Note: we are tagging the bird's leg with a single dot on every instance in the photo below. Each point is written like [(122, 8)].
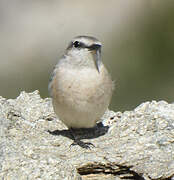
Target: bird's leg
[(72, 134), (86, 145)]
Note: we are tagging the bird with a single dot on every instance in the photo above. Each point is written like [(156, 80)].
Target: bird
[(80, 85)]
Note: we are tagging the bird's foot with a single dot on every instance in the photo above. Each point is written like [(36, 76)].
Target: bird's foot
[(85, 145)]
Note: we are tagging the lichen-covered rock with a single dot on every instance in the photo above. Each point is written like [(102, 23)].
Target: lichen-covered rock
[(34, 144)]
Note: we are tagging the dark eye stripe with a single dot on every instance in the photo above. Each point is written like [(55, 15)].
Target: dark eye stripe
[(94, 47), (78, 44)]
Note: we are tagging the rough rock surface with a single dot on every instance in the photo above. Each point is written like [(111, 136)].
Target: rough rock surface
[(34, 144)]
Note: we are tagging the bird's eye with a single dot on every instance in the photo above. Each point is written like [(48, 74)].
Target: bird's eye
[(76, 44)]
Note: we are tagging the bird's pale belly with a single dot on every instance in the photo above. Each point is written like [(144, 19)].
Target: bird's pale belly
[(80, 99)]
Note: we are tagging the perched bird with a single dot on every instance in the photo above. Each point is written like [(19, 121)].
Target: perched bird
[(80, 85)]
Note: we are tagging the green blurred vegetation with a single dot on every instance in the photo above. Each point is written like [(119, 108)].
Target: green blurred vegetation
[(140, 56), (145, 56)]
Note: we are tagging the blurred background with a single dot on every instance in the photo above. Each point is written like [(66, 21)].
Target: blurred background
[(137, 37)]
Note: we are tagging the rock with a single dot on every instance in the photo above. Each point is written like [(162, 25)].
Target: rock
[(34, 144)]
